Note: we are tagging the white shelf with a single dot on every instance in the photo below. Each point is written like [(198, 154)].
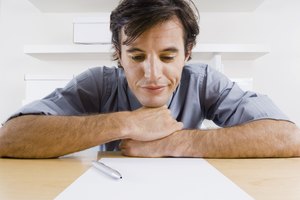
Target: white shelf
[(66, 49), (69, 52), (202, 51), (231, 51), (107, 6)]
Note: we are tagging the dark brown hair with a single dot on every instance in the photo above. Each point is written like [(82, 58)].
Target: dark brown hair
[(137, 16)]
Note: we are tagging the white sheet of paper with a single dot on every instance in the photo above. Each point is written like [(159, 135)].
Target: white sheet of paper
[(154, 178)]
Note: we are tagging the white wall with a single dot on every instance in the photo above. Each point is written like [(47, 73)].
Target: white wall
[(275, 23), (278, 73)]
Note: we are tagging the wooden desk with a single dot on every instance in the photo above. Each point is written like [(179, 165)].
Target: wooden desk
[(45, 179)]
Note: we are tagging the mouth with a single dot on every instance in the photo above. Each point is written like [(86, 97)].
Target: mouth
[(154, 89)]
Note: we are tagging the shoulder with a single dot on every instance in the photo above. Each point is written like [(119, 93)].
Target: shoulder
[(96, 79), (199, 69), (104, 71), (100, 74), (203, 71), (195, 68), (195, 71)]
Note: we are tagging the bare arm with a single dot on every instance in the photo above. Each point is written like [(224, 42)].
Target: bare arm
[(36, 136), (262, 138)]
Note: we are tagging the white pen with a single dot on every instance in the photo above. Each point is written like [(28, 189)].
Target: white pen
[(107, 170)]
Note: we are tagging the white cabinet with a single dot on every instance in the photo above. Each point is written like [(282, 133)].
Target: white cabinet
[(38, 86), (91, 30)]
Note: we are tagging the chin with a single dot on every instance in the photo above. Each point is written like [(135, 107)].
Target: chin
[(153, 103)]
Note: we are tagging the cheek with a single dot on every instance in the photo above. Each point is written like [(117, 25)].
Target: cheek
[(133, 74), (173, 73), (177, 78)]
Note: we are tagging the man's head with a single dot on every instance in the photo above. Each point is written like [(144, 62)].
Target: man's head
[(152, 41)]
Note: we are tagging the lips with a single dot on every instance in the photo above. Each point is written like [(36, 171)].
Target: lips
[(155, 89)]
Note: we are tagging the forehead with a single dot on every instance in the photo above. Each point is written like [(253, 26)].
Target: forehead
[(170, 31)]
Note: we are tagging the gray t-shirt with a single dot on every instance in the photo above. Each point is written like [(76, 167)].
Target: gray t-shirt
[(203, 93)]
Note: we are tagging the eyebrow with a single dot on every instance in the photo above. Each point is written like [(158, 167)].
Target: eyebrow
[(134, 49), (169, 49)]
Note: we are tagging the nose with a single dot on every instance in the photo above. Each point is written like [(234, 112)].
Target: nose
[(152, 68)]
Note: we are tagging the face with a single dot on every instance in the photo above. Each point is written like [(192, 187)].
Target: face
[(153, 62)]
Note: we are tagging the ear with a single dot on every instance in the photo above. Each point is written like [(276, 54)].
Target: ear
[(188, 52), (188, 55), (118, 55)]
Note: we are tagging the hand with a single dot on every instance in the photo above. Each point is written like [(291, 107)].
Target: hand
[(147, 124), (177, 144), (136, 148)]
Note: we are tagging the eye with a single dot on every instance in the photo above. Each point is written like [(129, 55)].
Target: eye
[(167, 58), (138, 58)]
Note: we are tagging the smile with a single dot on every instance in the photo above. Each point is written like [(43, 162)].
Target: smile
[(154, 89)]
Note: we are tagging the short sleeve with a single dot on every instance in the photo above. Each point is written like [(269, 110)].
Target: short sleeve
[(226, 104), (82, 95)]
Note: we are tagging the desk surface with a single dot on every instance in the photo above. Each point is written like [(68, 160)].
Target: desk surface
[(46, 178)]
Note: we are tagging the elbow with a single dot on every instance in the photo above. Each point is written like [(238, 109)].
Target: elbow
[(295, 140), (2, 144), (7, 141), (291, 138), (283, 139)]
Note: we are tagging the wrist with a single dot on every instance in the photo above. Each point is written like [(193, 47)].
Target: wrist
[(185, 143), (121, 122), (176, 145)]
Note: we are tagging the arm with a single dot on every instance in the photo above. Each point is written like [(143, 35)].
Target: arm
[(39, 136), (262, 138)]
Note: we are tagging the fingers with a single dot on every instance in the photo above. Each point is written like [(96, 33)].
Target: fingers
[(147, 124), (123, 143), (128, 147), (135, 148), (179, 126), (167, 146)]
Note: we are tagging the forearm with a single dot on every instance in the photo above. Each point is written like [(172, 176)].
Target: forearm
[(35, 136), (38, 136), (263, 138)]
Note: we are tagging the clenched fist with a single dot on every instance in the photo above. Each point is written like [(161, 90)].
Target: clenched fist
[(147, 124)]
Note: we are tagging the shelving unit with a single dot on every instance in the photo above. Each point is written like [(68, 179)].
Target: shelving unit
[(216, 53), (202, 51), (106, 6)]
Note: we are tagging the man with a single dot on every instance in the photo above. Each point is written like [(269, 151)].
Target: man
[(153, 103)]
